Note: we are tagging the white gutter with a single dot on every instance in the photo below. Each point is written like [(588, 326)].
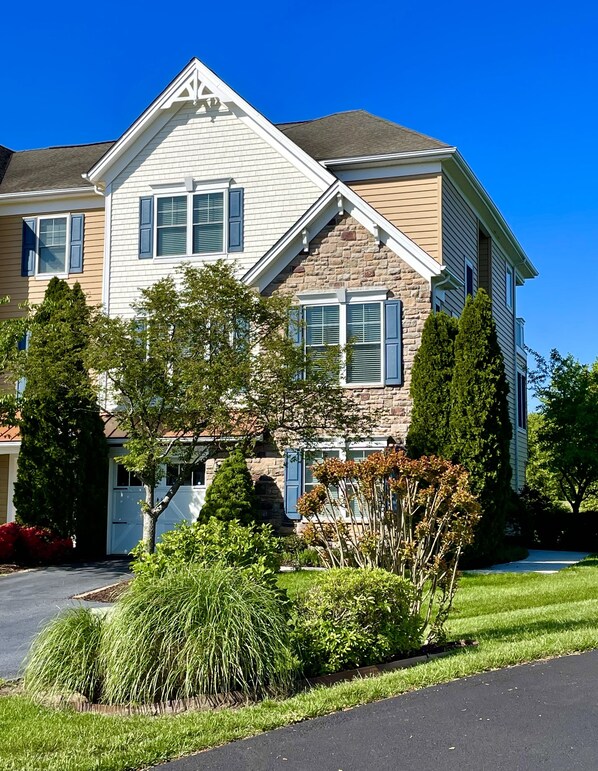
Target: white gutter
[(68, 192), (435, 154)]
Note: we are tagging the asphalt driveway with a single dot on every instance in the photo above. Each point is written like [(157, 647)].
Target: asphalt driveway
[(29, 599), (535, 717)]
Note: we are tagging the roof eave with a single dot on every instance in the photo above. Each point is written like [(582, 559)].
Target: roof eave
[(435, 154), (68, 192)]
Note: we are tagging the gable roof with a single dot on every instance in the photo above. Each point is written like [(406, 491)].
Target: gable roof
[(339, 197), (52, 168), (197, 84), (356, 133)]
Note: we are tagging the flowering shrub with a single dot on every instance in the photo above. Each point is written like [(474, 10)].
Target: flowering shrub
[(32, 545), (411, 517), (9, 534)]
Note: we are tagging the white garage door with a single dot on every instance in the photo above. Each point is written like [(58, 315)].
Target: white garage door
[(125, 516)]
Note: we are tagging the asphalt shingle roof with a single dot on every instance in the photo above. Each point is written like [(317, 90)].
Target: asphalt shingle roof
[(354, 134), (342, 135), (53, 168)]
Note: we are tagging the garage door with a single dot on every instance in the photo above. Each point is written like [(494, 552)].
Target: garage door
[(126, 526)]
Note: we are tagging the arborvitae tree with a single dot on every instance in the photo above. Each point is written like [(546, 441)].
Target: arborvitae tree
[(480, 425), (63, 462), (231, 494), (431, 377)]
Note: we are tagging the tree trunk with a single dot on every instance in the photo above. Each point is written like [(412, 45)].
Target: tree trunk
[(149, 520), (149, 532)]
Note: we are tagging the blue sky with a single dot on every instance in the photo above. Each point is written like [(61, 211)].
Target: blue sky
[(513, 85)]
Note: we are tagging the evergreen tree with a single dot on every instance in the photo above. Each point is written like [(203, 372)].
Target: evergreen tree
[(480, 425), (231, 494), (62, 471), (432, 374)]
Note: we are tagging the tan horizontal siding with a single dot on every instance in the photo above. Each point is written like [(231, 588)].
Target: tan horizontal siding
[(410, 203), (4, 459), (31, 289)]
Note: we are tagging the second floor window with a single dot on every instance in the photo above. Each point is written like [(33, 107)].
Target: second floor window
[(190, 224), (52, 245), (356, 324)]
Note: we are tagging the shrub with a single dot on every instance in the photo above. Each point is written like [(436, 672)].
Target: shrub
[(297, 553), (39, 545), (354, 617), (431, 378), (197, 630), (64, 657), (32, 545), (232, 493), (480, 425), (9, 534), (229, 543), (411, 517)]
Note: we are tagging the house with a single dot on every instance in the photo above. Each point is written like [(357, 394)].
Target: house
[(369, 226)]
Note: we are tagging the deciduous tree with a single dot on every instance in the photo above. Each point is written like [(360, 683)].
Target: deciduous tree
[(206, 364)]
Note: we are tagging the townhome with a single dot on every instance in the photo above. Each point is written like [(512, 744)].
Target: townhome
[(367, 225)]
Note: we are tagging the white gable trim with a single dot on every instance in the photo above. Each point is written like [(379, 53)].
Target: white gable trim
[(339, 198), (198, 84)]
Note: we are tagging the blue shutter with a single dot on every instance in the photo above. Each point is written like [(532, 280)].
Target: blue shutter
[(392, 343), (293, 482), (29, 248), (235, 220), (146, 228), (76, 250)]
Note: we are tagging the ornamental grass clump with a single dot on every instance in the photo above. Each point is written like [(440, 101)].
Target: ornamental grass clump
[(64, 658), (354, 617), (196, 630), (410, 517)]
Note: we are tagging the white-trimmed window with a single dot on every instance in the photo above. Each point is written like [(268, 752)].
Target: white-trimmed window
[(192, 223), (194, 476), (357, 324), (52, 245)]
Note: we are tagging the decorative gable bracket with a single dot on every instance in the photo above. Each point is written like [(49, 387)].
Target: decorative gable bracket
[(193, 90)]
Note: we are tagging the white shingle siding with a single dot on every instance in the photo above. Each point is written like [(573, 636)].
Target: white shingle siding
[(211, 146)]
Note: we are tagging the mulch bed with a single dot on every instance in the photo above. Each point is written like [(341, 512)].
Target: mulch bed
[(105, 593)]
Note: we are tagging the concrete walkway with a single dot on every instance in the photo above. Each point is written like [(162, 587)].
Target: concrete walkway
[(30, 598), (535, 717), (539, 561)]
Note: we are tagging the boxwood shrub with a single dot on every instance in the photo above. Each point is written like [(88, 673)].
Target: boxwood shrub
[(353, 617)]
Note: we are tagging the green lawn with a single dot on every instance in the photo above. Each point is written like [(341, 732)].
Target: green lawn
[(515, 618)]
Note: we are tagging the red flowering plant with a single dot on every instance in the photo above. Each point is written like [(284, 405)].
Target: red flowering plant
[(9, 534), (32, 545), (411, 517)]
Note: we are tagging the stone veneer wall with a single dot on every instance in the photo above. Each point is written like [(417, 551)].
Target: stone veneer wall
[(345, 255)]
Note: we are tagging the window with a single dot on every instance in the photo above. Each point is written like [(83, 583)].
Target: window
[(521, 400), (126, 478), (364, 332), (311, 458), (358, 324), (510, 288), (194, 476), (468, 279), (206, 214), (52, 246)]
